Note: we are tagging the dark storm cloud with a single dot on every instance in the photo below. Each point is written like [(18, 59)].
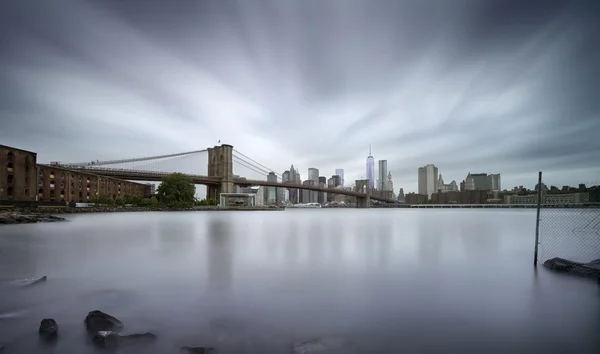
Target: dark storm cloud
[(471, 86)]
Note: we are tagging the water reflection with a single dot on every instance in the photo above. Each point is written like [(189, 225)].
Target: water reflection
[(219, 254), (429, 236), (291, 242), (315, 244), (16, 247), (479, 236), (385, 237), (176, 234)]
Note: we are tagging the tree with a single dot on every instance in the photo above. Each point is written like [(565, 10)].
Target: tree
[(176, 188)]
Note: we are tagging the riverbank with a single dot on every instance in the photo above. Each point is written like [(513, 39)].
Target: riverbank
[(48, 214), (16, 217)]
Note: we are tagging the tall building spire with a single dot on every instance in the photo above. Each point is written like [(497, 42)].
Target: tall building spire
[(369, 149)]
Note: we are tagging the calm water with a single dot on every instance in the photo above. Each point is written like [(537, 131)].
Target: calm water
[(390, 281)]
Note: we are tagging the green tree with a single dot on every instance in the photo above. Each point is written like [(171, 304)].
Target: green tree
[(176, 188), (120, 201)]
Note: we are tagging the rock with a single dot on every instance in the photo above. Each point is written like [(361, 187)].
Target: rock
[(561, 265), (197, 350), (109, 339), (319, 345), (48, 328), (99, 321), (26, 218), (28, 281)]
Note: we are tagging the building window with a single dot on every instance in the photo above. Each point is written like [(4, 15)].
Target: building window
[(10, 168), (51, 174), (26, 191), (10, 155), (9, 192), (9, 179)]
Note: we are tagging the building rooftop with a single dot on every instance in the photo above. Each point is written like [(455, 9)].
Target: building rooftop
[(14, 148)]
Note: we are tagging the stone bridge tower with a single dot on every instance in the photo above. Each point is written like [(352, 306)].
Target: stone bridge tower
[(220, 164), (362, 186)]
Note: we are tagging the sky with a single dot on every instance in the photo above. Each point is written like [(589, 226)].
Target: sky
[(498, 86)]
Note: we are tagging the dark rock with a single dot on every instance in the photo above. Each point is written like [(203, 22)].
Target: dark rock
[(48, 328), (99, 321), (561, 265), (28, 281), (197, 350), (320, 345), (17, 217), (109, 339)]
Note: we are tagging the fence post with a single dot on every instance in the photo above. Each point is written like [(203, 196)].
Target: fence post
[(537, 219)]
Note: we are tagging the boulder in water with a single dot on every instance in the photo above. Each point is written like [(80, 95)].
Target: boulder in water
[(48, 328), (109, 339), (591, 269), (197, 350), (96, 321), (320, 345)]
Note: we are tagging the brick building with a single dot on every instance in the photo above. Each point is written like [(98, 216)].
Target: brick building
[(62, 185), (17, 174), (463, 197), (414, 198)]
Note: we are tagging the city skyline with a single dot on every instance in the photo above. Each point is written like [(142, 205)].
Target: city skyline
[(496, 86)]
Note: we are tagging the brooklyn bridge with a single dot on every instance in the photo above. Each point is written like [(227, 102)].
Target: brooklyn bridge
[(221, 161)]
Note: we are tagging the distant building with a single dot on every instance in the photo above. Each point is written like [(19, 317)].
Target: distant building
[(383, 176), (464, 197), (308, 196), (548, 199), (18, 174), (401, 195), (335, 181), (483, 181), (443, 188), (271, 192), (390, 183), (428, 178), (414, 198), (495, 182), (322, 196), (340, 172), (371, 170)]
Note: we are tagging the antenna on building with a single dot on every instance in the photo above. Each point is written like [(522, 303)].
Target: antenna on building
[(369, 149)]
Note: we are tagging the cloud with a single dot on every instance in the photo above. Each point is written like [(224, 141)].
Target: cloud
[(496, 86)]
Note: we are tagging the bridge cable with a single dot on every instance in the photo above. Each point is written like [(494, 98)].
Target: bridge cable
[(264, 170), (255, 168), (249, 166), (258, 163), (138, 159)]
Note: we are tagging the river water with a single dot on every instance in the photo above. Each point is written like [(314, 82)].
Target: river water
[(380, 280)]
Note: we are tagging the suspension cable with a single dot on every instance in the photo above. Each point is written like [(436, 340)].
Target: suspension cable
[(254, 168), (257, 163)]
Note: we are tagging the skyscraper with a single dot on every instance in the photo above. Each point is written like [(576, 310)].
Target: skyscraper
[(313, 175), (371, 169), (494, 183), (428, 179), (382, 175), (271, 192), (340, 172)]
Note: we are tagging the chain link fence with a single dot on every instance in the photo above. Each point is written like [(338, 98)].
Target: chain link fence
[(569, 223)]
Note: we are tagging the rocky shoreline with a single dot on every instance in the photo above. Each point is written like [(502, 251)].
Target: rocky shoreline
[(15, 217), (48, 214)]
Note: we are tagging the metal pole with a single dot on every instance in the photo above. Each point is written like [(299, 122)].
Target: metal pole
[(537, 219)]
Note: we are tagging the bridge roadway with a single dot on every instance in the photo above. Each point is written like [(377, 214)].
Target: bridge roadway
[(156, 176)]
